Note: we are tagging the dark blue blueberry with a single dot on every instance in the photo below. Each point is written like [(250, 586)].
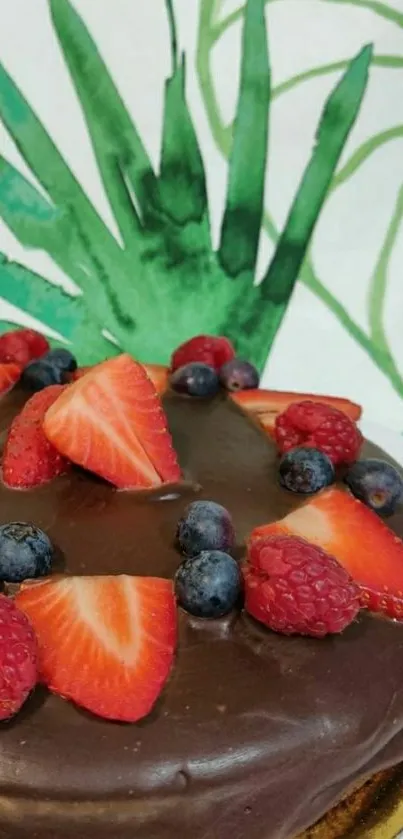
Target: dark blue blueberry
[(61, 358), (40, 374), (377, 483), (208, 585), (195, 379), (239, 375), (205, 526), (305, 470), (25, 552)]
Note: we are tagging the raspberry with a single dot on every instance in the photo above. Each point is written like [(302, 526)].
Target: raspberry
[(18, 658), (296, 588), (207, 349), (320, 426), (22, 346)]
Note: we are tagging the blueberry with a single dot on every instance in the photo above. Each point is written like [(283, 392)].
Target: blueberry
[(208, 585), (196, 379), (205, 526), (62, 359), (40, 374), (377, 483), (239, 375), (25, 551), (305, 470)]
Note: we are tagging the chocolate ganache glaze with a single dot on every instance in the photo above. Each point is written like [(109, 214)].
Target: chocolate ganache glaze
[(255, 735)]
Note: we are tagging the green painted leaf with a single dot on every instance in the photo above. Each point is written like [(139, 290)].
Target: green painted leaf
[(247, 166), (37, 223), (112, 268), (182, 183), (339, 115), (117, 145), (54, 308)]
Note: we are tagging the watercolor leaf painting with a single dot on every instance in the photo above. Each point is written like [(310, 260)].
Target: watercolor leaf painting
[(162, 267)]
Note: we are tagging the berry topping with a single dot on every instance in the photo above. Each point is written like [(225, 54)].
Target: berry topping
[(305, 470), (156, 372), (25, 552), (22, 346), (196, 380), (40, 374), (159, 376), (9, 375), (321, 426), (80, 372), (239, 375), (111, 422), (18, 659), (377, 483), (205, 526), (29, 459), (298, 589), (207, 349), (265, 405), (208, 585), (360, 541), (106, 643), (62, 359)]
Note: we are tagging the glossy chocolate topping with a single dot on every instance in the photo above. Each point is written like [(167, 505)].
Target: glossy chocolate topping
[(256, 735)]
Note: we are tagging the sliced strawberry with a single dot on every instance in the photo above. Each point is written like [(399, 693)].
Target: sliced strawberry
[(9, 375), (21, 346), (159, 375), (358, 538), (106, 643), (80, 372), (29, 459), (111, 422), (265, 405)]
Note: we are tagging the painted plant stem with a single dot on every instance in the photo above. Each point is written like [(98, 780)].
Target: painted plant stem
[(379, 8), (380, 355)]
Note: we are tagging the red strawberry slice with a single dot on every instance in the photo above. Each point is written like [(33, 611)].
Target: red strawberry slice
[(358, 538), (29, 459), (80, 372), (158, 374), (21, 346), (266, 405), (111, 422), (9, 375), (106, 643)]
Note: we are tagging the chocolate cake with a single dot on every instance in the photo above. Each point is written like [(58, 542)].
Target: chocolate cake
[(255, 735)]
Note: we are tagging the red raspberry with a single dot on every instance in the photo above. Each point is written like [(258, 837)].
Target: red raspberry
[(18, 658), (296, 588), (206, 349), (22, 346), (320, 426)]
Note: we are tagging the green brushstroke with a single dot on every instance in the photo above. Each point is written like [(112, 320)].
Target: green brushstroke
[(207, 37), (218, 28), (381, 9), (378, 286), (337, 120), (363, 152), (241, 224), (54, 308), (111, 129), (182, 183)]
